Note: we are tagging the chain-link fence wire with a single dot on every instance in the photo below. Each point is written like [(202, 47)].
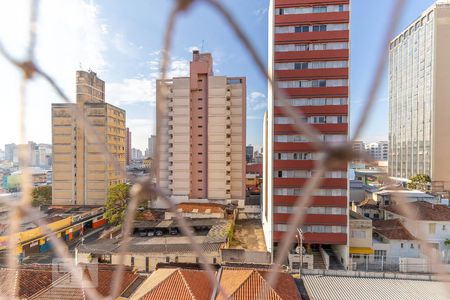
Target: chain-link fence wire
[(334, 154)]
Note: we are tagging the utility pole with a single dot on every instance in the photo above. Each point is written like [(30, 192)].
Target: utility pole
[(300, 242)]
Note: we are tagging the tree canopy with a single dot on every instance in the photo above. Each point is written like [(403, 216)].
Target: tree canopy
[(116, 205), (419, 182), (41, 195)]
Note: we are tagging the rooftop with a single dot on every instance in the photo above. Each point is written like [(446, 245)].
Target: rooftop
[(26, 281), (392, 229), (243, 284), (352, 288), (180, 284), (422, 210), (66, 288), (237, 283), (203, 208)]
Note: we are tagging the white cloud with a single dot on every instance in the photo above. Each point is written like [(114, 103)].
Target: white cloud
[(130, 91), (124, 46), (143, 88), (256, 101), (261, 11), (69, 34), (252, 117)]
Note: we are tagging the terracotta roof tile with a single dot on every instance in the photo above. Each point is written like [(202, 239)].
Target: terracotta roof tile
[(26, 281), (67, 288), (177, 284), (422, 210), (247, 284), (392, 229)]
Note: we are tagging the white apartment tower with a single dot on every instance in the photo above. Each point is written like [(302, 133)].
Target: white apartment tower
[(419, 110)]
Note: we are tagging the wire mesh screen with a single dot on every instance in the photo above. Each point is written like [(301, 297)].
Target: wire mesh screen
[(332, 153)]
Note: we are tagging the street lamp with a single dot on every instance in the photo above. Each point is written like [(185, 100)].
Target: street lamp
[(300, 242)]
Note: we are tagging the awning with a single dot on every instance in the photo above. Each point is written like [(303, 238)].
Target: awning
[(361, 250)]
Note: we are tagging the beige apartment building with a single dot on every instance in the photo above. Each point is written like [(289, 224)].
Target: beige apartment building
[(419, 134), (201, 123), (82, 172)]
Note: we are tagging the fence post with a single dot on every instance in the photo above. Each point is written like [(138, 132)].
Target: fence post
[(367, 262)]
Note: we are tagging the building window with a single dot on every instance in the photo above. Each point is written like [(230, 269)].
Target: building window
[(147, 264), (167, 259), (401, 245), (302, 29), (432, 228), (317, 28), (132, 261), (412, 246)]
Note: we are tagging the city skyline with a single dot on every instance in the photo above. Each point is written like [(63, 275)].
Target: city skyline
[(128, 60)]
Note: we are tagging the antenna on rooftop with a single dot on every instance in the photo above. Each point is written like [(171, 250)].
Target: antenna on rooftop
[(203, 44)]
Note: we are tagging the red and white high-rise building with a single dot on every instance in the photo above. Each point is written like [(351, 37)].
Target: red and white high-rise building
[(309, 59)]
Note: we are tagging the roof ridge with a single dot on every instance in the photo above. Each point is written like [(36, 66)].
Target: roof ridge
[(267, 284), (159, 283), (245, 280), (186, 283)]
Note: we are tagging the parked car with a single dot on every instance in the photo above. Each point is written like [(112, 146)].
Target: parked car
[(142, 233), (173, 231), (158, 233), (150, 232)]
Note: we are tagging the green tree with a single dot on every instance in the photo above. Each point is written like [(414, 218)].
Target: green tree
[(116, 205), (419, 182), (41, 195)]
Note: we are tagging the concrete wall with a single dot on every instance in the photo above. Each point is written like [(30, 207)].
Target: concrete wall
[(441, 112)]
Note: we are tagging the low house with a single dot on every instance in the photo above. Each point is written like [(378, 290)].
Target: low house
[(388, 197), (235, 282), (368, 208), (144, 253), (360, 239), (392, 239), (426, 221)]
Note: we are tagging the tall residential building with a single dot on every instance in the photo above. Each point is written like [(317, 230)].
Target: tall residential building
[(201, 134), (419, 69), (151, 146), (9, 151), (378, 150), (128, 148), (82, 173), (136, 154), (309, 58), (249, 153)]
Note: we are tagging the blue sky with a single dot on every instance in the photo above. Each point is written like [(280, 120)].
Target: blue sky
[(121, 40)]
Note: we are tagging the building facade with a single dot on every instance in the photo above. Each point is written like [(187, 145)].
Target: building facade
[(309, 58), (378, 150), (201, 122), (249, 154), (9, 151), (82, 173), (419, 135), (128, 148), (151, 146)]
